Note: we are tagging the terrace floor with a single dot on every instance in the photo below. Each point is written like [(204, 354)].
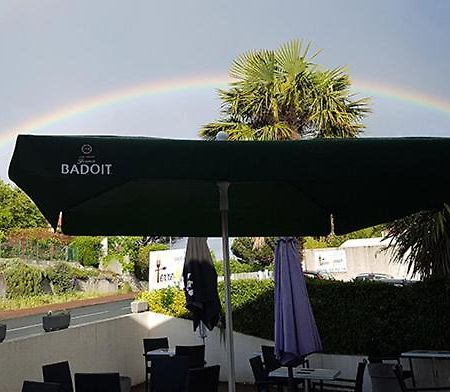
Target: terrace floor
[(223, 387)]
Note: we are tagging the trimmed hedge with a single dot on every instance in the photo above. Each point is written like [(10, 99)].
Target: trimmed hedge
[(352, 317)]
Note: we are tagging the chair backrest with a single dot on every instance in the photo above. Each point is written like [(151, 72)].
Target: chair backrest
[(204, 379), (97, 382), (259, 373), (155, 343), (36, 386), (383, 377), (60, 373), (360, 376), (196, 355), (398, 371), (169, 374), (270, 361)]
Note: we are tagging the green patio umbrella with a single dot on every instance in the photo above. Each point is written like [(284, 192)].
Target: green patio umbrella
[(108, 185)]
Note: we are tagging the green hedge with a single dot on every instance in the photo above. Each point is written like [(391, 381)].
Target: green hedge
[(86, 250), (352, 317)]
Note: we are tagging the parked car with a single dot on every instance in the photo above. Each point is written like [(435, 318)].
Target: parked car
[(373, 276), (318, 275), (384, 278)]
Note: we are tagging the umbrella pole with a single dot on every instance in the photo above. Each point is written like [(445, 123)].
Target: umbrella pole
[(223, 190)]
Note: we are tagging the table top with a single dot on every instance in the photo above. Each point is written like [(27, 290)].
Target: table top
[(161, 352), (426, 354), (307, 373)]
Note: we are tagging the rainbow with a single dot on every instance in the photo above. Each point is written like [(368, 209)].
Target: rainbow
[(189, 83)]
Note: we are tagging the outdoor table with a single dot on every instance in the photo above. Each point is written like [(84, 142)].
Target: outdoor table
[(307, 374), (423, 354)]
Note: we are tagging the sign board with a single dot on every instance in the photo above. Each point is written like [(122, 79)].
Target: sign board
[(330, 260), (166, 268)]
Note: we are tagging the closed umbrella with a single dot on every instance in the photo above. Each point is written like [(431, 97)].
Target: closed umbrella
[(296, 332), (200, 284)]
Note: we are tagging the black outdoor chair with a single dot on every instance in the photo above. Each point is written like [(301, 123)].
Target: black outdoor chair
[(36, 386), (196, 355), (149, 345), (169, 374), (272, 363), (205, 379), (264, 383), (59, 373), (401, 382), (97, 382), (344, 384)]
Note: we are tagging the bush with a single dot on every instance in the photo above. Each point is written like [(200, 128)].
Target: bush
[(352, 317), (62, 276), (36, 243), (23, 280), (237, 267), (87, 250), (141, 264), (170, 301)]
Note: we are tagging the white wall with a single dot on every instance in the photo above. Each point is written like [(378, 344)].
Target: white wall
[(362, 259)]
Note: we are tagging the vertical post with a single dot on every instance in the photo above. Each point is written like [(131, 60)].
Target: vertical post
[(223, 191)]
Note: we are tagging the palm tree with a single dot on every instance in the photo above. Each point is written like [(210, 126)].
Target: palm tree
[(422, 241), (281, 95)]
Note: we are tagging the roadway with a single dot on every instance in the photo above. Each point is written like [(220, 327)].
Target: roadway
[(31, 325)]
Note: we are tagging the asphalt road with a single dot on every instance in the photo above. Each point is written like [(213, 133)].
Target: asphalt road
[(32, 325)]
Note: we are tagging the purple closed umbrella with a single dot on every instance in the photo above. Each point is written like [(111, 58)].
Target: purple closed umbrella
[(296, 332)]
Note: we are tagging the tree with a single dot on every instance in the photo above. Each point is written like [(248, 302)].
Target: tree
[(243, 248), (281, 95), (422, 241), (17, 210)]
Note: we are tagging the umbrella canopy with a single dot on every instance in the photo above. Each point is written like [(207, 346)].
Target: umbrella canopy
[(200, 284), (108, 185), (142, 186), (296, 333)]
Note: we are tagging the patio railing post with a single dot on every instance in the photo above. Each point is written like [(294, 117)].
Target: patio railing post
[(223, 190)]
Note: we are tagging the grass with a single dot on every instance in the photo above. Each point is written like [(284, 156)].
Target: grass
[(46, 299)]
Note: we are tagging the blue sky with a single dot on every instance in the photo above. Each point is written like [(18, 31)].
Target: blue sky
[(58, 52)]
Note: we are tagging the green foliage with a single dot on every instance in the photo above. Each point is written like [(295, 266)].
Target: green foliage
[(170, 301), (36, 243), (23, 280), (334, 241), (352, 317), (243, 248), (87, 250), (141, 265), (17, 210), (236, 267), (422, 241), (62, 276)]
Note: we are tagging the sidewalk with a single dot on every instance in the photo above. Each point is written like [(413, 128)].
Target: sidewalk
[(9, 314)]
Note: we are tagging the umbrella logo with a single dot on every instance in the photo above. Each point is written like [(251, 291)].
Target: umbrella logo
[(86, 149)]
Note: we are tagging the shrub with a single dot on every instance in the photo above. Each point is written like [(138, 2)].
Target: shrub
[(37, 243), (87, 250), (23, 280), (62, 277), (237, 267), (170, 301)]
